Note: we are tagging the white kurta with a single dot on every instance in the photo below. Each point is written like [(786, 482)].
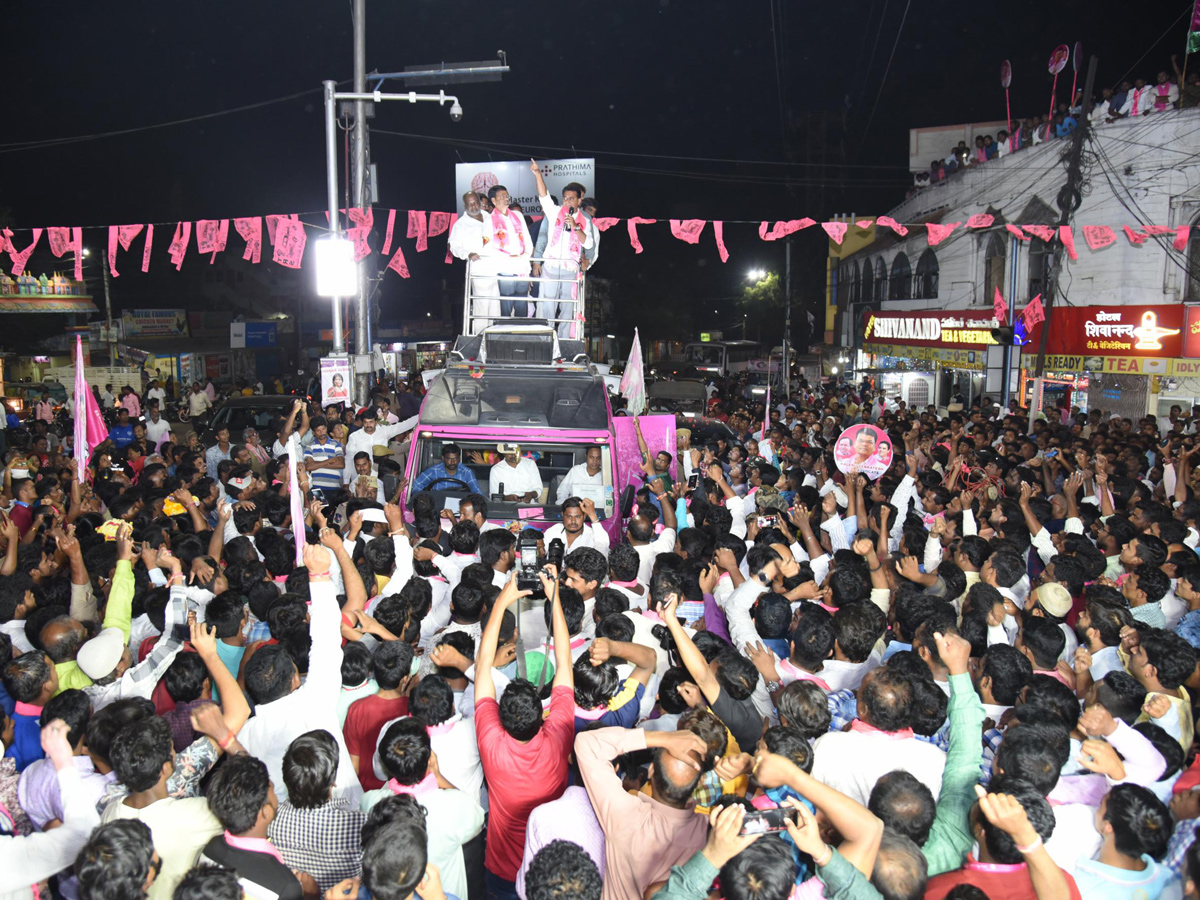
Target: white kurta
[(523, 478)]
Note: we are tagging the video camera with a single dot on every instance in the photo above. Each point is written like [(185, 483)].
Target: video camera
[(531, 566)]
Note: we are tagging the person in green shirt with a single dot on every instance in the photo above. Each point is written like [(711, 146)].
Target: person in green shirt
[(62, 637)]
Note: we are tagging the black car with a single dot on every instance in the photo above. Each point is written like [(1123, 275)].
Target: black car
[(266, 414)]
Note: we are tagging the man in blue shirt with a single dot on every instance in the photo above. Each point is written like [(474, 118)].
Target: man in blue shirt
[(448, 468), (31, 680), (122, 433)]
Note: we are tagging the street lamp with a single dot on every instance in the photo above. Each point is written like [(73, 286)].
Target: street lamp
[(337, 273), (756, 275)]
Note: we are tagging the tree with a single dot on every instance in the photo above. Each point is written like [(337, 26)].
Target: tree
[(764, 300)]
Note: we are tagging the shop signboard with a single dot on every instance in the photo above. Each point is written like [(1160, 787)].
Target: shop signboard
[(955, 359), (960, 330), (154, 322), (1191, 332), (1129, 332)]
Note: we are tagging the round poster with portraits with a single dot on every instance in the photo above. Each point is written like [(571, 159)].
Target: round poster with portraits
[(865, 449)]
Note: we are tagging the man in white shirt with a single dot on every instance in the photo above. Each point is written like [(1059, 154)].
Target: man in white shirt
[(569, 233), (1139, 100), (156, 392), (520, 477), (506, 242), (466, 243), (574, 533), (198, 402), (372, 434), (156, 426), (586, 473), (108, 398)]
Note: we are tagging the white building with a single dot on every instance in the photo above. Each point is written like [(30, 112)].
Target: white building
[(1138, 172)]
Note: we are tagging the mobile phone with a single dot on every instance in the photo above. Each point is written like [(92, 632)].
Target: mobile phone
[(767, 521), (764, 821), (693, 481), (316, 494), (1050, 454)]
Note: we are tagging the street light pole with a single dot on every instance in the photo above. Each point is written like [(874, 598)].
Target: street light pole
[(362, 347), (108, 328), (335, 226)]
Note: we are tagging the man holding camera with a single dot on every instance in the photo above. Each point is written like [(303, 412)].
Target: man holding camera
[(569, 234)]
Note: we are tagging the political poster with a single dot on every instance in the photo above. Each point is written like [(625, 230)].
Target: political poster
[(520, 181), (864, 449), (336, 381)]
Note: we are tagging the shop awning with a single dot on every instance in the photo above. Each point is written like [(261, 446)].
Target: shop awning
[(34, 304)]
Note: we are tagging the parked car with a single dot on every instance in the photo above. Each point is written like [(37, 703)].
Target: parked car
[(683, 399), (266, 414)]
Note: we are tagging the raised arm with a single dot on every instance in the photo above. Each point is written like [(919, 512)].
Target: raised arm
[(234, 708), (356, 591), (1007, 814), (541, 182), (485, 687), (693, 660), (564, 673), (643, 658)]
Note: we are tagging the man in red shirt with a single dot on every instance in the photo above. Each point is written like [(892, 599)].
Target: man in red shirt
[(367, 717), (513, 738), (24, 493)]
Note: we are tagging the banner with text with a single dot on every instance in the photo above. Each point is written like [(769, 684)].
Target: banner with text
[(520, 181)]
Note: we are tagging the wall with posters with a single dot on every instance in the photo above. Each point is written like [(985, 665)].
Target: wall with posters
[(520, 181)]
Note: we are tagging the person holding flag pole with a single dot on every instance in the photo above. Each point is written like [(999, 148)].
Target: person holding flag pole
[(90, 430)]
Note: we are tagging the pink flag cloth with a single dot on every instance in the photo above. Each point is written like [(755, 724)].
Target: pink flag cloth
[(6, 244), (1000, 308), (64, 240), (892, 224), (1045, 232), (1098, 236), (938, 233), (297, 501), (1015, 231), (113, 231), (417, 229), (1182, 233), (387, 235), (1067, 236), (178, 247), (603, 224), (1156, 230), (632, 224), (126, 234), (864, 223), (290, 240), (439, 222), (20, 259), (149, 246), (981, 220), (1033, 313), (449, 260), (633, 382), (835, 230), (212, 235), (250, 230), (783, 229), (363, 222), (719, 234), (90, 430), (398, 263), (687, 229), (273, 224), (1135, 237)]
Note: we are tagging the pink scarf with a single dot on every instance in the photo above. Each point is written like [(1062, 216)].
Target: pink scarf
[(500, 225), (1160, 101), (573, 245)]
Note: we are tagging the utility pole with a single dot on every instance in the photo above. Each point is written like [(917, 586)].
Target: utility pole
[(787, 317), (1010, 320), (108, 328), (1069, 200), (362, 346)]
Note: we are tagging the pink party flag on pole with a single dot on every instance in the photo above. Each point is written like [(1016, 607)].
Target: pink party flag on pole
[(90, 430), (633, 382), (297, 500)]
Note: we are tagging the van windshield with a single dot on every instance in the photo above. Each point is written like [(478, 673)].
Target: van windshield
[(703, 354)]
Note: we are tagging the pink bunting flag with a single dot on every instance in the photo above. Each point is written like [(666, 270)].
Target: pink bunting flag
[(603, 224), (1000, 308), (1067, 236), (864, 223), (1099, 236), (290, 240), (363, 222), (417, 229), (1033, 313), (273, 224), (687, 229), (449, 260), (1045, 232), (178, 246), (783, 229), (981, 220), (211, 236), (835, 230), (126, 234), (1135, 237), (632, 224), (65, 240), (398, 264), (20, 259), (250, 230), (148, 247), (6, 244), (387, 235), (1015, 231), (719, 234), (1182, 233), (1156, 230), (439, 222), (112, 251), (892, 224)]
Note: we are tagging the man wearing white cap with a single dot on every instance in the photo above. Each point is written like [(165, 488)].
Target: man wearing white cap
[(1053, 601), (520, 478), (107, 661)]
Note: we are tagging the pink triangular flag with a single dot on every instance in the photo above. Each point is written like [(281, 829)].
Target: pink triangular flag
[(864, 223), (60, 240), (632, 225), (387, 235), (1033, 313), (981, 220), (250, 230), (290, 241), (178, 247), (439, 222), (1067, 236), (1045, 232), (1015, 231), (363, 222), (719, 234), (1182, 233), (6, 244), (603, 224), (687, 229), (1135, 237), (20, 259), (1000, 308), (938, 233), (1099, 236), (398, 263), (1156, 230), (417, 229), (892, 224), (449, 260), (835, 230), (208, 235)]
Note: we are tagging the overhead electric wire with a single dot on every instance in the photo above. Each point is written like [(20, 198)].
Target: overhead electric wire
[(883, 80), (778, 78)]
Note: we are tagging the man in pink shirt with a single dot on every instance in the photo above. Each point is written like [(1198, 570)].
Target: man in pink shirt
[(130, 401)]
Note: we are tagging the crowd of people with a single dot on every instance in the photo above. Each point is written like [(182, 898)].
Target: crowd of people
[(1121, 101), (971, 676)]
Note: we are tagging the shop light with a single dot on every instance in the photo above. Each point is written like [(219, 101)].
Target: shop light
[(337, 273)]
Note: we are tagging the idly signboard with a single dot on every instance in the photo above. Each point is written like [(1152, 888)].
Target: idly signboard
[(1132, 332)]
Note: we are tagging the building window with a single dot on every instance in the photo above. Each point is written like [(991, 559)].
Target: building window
[(1040, 259), (881, 292), (901, 286), (867, 291), (993, 269), (925, 286)]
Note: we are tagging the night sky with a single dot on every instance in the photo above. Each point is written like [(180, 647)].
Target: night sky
[(635, 83)]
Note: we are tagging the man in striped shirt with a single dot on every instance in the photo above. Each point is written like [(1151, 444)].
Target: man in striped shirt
[(324, 458)]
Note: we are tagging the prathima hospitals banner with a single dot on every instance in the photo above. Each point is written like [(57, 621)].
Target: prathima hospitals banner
[(517, 177)]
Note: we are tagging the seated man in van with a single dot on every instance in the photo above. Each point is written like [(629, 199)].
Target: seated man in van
[(436, 476), (521, 479), (586, 473)]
